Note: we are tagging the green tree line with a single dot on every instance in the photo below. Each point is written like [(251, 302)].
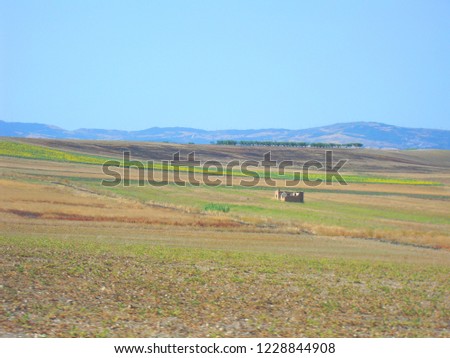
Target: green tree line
[(269, 143)]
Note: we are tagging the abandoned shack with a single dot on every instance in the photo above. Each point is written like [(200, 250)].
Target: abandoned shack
[(290, 196)]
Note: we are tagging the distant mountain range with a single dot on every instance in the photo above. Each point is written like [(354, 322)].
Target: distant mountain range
[(371, 134)]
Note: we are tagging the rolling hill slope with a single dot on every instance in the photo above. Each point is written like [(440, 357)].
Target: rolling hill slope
[(371, 134)]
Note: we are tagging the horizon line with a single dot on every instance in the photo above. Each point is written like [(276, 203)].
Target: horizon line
[(218, 130)]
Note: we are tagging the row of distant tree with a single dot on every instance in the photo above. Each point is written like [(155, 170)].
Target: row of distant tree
[(269, 143)]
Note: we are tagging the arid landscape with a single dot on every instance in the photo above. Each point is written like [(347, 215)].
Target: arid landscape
[(79, 259)]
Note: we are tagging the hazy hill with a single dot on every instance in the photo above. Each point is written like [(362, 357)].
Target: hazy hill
[(371, 134)]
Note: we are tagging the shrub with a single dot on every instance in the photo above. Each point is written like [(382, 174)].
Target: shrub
[(217, 207)]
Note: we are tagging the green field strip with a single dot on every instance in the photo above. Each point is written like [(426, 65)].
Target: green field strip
[(29, 151)]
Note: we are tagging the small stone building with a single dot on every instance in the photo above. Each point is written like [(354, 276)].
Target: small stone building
[(290, 196)]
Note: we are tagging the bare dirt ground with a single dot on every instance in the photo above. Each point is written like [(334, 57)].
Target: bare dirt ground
[(363, 160)]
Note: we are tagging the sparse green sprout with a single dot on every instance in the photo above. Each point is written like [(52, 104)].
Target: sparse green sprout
[(217, 207)]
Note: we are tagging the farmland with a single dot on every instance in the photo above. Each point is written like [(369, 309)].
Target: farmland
[(367, 259)]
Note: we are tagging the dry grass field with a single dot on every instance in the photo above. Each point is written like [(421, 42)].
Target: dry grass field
[(78, 259)]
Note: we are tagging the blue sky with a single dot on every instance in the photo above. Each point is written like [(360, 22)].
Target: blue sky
[(225, 64)]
